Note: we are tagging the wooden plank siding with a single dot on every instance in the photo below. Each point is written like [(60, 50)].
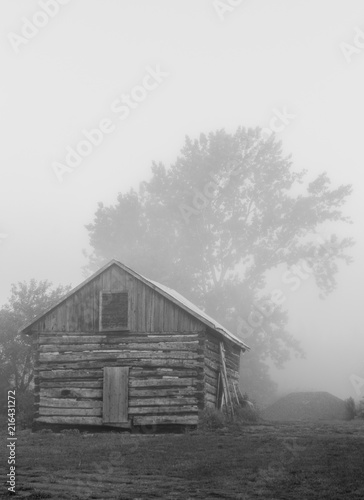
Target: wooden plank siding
[(115, 395), (149, 311)]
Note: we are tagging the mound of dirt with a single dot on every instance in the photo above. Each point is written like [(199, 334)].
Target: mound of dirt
[(307, 406)]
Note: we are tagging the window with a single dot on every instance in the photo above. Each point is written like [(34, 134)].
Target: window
[(114, 311)]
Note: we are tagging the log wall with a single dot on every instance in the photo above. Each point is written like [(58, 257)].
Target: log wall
[(173, 363), (165, 376), (212, 366)]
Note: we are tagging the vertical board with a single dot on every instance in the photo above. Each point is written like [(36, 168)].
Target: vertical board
[(115, 395)]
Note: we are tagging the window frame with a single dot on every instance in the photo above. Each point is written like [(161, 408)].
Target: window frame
[(118, 328)]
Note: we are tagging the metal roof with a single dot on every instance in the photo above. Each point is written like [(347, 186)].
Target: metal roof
[(211, 322)]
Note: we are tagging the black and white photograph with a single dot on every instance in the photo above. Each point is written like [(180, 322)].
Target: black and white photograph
[(181, 249)]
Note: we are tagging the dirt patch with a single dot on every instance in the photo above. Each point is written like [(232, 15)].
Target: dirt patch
[(307, 406)]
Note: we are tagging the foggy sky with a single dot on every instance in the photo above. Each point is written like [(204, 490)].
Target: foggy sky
[(257, 61)]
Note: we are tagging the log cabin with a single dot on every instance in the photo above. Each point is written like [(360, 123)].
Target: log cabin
[(122, 351)]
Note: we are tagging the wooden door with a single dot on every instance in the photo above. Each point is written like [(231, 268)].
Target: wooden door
[(115, 395)]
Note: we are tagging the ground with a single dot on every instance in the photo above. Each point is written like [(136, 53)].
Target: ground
[(285, 460)]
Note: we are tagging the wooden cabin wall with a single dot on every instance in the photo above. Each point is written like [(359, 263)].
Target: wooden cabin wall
[(173, 361), (165, 376), (149, 311), (212, 369), (212, 366)]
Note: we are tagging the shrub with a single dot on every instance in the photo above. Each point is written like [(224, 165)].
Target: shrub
[(211, 419), (360, 410), (246, 414), (350, 408)]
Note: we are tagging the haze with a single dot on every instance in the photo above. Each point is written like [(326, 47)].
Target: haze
[(261, 59)]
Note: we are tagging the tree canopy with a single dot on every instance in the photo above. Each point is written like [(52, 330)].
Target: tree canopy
[(230, 209), (26, 301)]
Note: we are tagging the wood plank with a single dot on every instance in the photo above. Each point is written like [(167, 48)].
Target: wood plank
[(213, 356), (212, 346), (212, 365), (156, 312), (64, 374), (225, 381), (96, 384), (97, 290), (188, 391), (116, 337), (105, 355), (211, 373), (233, 373), (70, 420), (82, 412), (162, 372), (71, 393), (160, 402), (211, 381), (115, 394), (210, 388), (234, 358), (154, 346), (117, 280), (69, 403), (88, 308), (67, 315), (123, 425), (172, 419), (142, 307), (106, 280), (145, 363), (128, 284), (161, 314), (164, 382), (156, 410), (210, 397), (82, 306)]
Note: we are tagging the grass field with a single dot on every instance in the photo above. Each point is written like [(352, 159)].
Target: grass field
[(270, 461)]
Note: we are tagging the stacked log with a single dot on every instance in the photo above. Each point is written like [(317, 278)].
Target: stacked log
[(165, 376)]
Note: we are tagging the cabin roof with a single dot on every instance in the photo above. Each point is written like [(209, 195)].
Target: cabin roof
[(167, 292)]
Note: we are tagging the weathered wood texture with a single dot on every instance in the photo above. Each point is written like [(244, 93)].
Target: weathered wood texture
[(165, 382), (115, 394), (149, 311), (212, 367), (211, 370), (172, 363)]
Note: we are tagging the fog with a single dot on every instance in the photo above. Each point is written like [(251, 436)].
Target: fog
[(242, 65)]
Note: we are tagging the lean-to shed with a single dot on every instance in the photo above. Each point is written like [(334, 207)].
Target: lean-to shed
[(121, 350)]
